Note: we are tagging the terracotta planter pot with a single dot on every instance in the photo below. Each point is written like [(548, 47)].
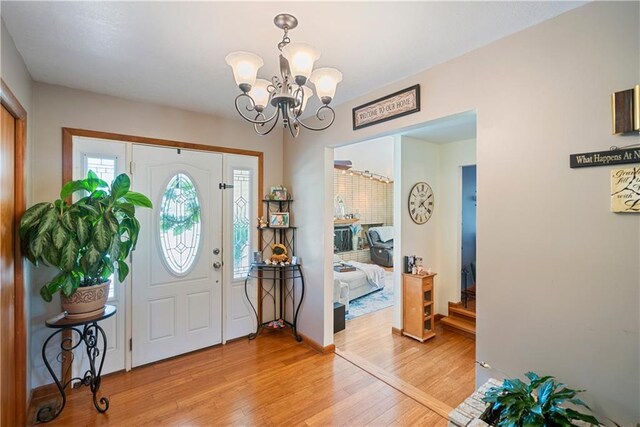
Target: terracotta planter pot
[(86, 302)]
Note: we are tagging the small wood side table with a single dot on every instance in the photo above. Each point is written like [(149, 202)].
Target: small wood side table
[(417, 306), (88, 333)]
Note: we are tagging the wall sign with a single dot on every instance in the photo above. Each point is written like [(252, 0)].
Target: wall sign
[(398, 104), (625, 190), (605, 158)]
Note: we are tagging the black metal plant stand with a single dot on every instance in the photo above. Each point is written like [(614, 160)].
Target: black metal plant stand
[(277, 283), (88, 333)]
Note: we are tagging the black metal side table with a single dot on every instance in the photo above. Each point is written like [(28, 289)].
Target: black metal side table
[(277, 282), (88, 333)]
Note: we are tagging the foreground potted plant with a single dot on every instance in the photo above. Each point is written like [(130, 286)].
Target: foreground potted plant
[(539, 403), (87, 241)]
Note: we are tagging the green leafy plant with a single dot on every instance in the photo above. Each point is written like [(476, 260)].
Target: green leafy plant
[(539, 403), (88, 240)]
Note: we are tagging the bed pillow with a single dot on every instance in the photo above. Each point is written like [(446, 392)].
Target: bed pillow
[(336, 259)]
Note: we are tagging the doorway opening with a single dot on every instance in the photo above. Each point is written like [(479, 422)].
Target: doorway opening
[(469, 204), (363, 229), (433, 156)]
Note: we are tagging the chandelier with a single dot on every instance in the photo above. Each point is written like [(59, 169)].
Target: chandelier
[(289, 92)]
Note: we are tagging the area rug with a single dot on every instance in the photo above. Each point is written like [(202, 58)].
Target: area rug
[(374, 301)]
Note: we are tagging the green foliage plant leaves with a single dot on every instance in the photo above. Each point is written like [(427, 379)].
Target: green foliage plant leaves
[(516, 404), (49, 219), (102, 235), (87, 240), (120, 186), (137, 199), (33, 216)]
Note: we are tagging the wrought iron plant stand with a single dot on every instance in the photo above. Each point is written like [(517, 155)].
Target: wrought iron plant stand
[(88, 333)]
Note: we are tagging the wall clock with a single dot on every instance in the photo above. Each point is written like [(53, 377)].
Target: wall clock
[(421, 203)]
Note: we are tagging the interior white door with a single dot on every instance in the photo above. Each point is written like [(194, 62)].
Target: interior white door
[(108, 159), (176, 267), (240, 240)]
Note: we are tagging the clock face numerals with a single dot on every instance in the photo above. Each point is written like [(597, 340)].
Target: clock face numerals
[(421, 203)]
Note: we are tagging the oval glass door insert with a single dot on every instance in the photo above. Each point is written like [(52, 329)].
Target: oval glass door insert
[(180, 224)]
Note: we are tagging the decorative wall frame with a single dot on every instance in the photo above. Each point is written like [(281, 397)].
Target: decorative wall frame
[(625, 190), (398, 104)]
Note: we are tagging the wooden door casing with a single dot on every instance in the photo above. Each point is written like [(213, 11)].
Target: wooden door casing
[(13, 345), (7, 262)]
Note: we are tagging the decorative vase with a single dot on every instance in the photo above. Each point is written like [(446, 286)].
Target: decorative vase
[(355, 243), (86, 301)]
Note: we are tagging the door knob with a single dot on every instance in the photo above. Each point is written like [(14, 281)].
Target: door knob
[(216, 251), (217, 265)]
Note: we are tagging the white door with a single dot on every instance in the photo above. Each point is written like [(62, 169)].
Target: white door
[(176, 274), (107, 159), (240, 240)]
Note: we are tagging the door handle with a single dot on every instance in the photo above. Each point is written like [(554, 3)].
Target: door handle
[(217, 265)]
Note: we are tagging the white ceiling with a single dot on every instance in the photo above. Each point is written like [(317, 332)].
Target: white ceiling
[(458, 127), (173, 53)]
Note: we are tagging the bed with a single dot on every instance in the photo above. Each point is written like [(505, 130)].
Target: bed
[(350, 285)]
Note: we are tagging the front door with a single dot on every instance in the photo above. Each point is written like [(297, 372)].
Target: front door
[(176, 267)]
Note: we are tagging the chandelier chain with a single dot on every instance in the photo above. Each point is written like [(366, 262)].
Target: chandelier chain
[(285, 39)]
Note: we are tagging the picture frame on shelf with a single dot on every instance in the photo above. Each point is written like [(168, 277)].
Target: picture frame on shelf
[(279, 220), (278, 193)]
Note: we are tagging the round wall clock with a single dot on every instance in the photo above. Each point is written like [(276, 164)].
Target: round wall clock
[(421, 203)]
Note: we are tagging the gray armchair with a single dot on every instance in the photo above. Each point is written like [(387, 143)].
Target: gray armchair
[(381, 251)]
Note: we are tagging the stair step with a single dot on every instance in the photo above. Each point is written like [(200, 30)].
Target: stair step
[(456, 311), (457, 324)]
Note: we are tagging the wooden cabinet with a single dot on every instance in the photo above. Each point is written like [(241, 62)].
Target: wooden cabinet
[(418, 310)]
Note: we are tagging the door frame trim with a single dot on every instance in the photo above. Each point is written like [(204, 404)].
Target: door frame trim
[(69, 133), (11, 103)]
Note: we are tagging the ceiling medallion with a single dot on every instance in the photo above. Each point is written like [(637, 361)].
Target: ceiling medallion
[(289, 93)]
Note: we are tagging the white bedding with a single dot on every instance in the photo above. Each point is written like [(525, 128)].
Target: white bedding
[(373, 274), (364, 280)]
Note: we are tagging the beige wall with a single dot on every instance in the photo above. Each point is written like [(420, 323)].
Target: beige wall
[(375, 155), (57, 107), (559, 274), (17, 77)]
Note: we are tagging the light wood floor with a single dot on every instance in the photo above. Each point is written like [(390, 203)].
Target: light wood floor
[(270, 381), (443, 367)]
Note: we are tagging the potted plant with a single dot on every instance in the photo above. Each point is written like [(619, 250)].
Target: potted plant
[(539, 403), (87, 240)]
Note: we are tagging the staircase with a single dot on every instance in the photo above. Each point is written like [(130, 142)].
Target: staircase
[(460, 320)]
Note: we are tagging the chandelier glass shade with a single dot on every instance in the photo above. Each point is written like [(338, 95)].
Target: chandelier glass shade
[(288, 93)]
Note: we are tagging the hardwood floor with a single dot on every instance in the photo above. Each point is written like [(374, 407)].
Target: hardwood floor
[(270, 381), (442, 367)]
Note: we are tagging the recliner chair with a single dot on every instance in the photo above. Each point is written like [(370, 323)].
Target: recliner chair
[(381, 252)]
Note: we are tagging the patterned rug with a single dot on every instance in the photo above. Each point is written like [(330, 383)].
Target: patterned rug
[(374, 301)]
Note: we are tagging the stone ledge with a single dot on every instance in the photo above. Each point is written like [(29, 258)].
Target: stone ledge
[(467, 414)]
